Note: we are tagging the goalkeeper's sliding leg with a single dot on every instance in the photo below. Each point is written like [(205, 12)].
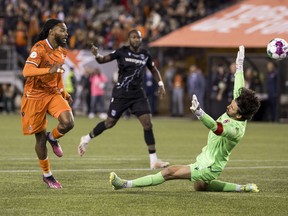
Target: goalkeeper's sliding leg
[(181, 172), (220, 186), (169, 173)]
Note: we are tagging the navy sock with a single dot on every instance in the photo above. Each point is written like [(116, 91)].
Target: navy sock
[(149, 139), (100, 127)]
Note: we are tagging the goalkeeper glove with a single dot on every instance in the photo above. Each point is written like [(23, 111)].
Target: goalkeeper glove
[(240, 58), (195, 107)]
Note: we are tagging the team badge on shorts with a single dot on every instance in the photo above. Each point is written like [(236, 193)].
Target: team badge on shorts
[(113, 112), (30, 128)]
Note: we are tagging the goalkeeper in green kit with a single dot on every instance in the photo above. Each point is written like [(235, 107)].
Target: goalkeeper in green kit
[(224, 135)]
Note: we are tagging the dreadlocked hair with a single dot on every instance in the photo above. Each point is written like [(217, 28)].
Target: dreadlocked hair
[(248, 103), (49, 24)]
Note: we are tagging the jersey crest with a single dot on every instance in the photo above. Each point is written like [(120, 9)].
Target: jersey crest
[(226, 121)]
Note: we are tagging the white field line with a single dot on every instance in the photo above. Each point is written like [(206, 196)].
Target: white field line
[(134, 169), (128, 158)]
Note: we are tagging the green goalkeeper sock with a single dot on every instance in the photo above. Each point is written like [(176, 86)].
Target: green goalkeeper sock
[(149, 180), (220, 186)]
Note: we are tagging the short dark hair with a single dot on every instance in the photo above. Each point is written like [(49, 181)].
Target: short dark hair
[(133, 31), (49, 24), (248, 103)]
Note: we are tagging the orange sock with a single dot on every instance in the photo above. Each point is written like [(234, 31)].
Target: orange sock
[(56, 134), (45, 166)]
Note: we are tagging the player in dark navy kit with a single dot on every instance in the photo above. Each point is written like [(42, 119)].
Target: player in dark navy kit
[(128, 93)]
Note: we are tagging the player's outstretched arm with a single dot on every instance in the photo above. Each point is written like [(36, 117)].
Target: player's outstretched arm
[(240, 58), (99, 58), (195, 107), (239, 75), (207, 120)]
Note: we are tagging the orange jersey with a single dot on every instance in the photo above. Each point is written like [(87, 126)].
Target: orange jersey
[(39, 82)]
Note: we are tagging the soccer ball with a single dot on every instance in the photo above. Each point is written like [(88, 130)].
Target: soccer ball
[(277, 49)]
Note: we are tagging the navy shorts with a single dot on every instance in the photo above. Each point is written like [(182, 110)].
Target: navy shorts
[(137, 106)]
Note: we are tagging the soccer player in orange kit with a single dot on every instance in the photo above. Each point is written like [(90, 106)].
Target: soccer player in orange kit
[(44, 93)]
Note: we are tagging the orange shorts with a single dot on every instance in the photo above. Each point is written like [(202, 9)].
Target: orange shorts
[(33, 111)]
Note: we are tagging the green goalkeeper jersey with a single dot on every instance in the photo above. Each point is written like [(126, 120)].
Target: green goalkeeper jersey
[(224, 135)]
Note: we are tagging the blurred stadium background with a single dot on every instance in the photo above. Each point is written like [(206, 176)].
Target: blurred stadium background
[(179, 34)]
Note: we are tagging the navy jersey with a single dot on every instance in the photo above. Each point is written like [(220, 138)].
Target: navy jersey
[(132, 66)]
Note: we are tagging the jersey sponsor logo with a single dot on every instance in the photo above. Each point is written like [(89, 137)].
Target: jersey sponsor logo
[(33, 55), (142, 56), (136, 61)]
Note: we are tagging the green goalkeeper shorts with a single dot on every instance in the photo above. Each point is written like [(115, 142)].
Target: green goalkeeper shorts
[(203, 174)]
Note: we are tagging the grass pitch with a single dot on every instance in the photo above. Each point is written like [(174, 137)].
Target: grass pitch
[(260, 158)]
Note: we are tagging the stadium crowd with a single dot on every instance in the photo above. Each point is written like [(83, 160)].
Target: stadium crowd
[(105, 23)]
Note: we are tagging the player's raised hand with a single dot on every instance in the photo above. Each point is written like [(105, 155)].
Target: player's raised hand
[(240, 58), (94, 49), (195, 105)]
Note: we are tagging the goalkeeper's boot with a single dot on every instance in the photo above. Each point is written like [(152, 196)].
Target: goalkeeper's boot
[(55, 146), (159, 164), (82, 146), (52, 182), (249, 188), (116, 182)]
